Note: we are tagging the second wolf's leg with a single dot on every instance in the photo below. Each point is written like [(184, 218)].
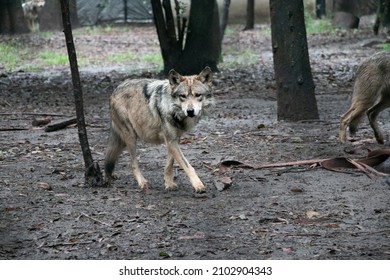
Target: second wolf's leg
[(373, 113), (343, 124), (174, 150), (351, 118)]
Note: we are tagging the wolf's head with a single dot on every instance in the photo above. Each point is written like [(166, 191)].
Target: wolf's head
[(32, 8), (193, 93), (37, 5)]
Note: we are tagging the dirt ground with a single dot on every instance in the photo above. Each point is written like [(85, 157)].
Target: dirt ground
[(295, 212)]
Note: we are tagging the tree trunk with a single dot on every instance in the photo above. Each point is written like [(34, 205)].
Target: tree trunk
[(203, 44), (125, 10), (203, 40), (93, 175), (320, 8), (170, 47), (250, 15), (382, 16), (295, 86), (224, 17), (50, 17), (11, 18)]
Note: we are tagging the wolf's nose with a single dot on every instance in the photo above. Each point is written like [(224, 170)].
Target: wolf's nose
[(190, 113)]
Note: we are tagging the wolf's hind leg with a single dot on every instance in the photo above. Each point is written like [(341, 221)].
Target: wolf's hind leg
[(114, 149), (351, 119), (131, 146), (373, 113), (345, 119)]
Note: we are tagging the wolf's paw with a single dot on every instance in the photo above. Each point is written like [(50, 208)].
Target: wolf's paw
[(342, 138), (144, 184), (199, 188), (109, 179), (112, 176), (171, 186), (379, 138)]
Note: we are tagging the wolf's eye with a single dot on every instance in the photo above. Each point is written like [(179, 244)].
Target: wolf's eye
[(199, 96), (182, 96)]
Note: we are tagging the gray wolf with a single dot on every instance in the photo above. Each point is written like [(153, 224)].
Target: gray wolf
[(159, 112), (31, 10), (371, 95)]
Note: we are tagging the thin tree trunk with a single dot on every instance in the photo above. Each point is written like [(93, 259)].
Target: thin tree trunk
[(203, 43), (382, 16), (93, 175), (250, 15), (320, 8), (11, 18), (125, 10), (224, 17), (170, 49)]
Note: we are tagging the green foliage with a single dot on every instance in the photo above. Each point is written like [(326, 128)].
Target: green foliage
[(121, 57), (9, 55), (234, 58), (129, 58), (386, 46), (152, 57), (230, 31), (50, 57), (320, 26), (13, 55), (93, 30), (314, 25), (46, 34)]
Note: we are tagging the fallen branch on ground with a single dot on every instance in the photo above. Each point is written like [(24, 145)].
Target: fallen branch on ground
[(60, 125), (95, 220), (13, 128), (366, 165), (34, 114)]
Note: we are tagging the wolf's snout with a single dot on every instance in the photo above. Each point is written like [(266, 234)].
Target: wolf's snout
[(191, 113)]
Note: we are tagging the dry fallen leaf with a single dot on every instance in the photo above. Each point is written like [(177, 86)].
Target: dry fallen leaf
[(311, 214), (45, 186), (286, 250), (332, 226), (256, 230)]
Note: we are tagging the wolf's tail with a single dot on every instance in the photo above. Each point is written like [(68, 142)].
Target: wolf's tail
[(114, 149)]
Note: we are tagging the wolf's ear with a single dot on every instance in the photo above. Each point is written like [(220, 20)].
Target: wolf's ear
[(206, 75), (174, 78)]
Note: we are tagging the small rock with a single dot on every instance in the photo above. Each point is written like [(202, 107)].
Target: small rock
[(223, 183)]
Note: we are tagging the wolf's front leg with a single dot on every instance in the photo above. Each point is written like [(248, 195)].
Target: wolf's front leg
[(168, 174), (174, 150), (142, 182)]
